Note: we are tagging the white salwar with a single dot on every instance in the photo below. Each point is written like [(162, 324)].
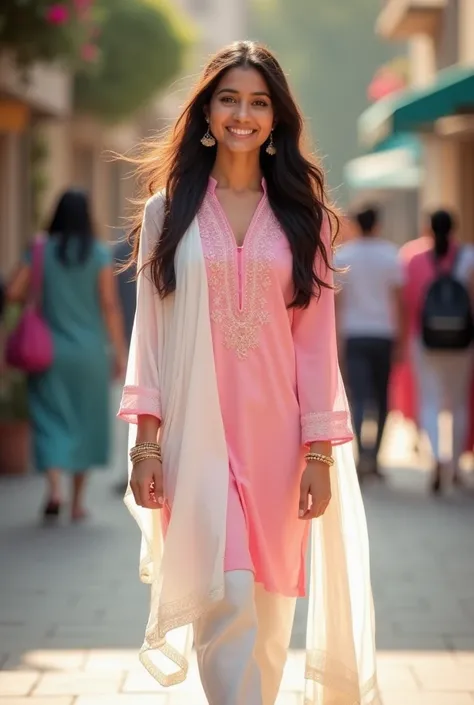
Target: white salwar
[(186, 571)]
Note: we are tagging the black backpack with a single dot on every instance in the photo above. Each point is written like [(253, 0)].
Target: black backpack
[(446, 318)]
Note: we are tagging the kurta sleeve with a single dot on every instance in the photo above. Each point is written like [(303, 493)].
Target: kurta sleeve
[(142, 390), (323, 403)]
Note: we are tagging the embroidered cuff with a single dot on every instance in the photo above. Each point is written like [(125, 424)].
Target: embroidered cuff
[(334, 426), (139, 401)]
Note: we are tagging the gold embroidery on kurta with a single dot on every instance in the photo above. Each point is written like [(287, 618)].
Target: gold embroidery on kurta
[(240, 325)]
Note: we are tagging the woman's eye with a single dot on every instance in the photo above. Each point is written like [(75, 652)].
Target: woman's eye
[(261, 103), (228, 99)]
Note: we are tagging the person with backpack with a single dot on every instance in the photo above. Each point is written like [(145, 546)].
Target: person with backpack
[(439, 290)]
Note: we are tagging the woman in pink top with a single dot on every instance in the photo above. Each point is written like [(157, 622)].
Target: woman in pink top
[(442, 377), (235, 251)]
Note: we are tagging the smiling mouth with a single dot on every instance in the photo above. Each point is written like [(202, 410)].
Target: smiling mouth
[(240, 132)]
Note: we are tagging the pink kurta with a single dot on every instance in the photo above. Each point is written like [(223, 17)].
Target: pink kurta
[(279, 389)]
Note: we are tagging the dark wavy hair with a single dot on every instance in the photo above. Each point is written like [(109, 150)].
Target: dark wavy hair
[(72, 221), (442, 224), (181, 166)]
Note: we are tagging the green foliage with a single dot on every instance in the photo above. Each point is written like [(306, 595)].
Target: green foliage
[(330, 51), (13, 383), (27, 30), (141, 48)]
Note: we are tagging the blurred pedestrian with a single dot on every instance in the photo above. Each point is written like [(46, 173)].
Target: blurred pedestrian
[(370, 313), (233, 362), (69, 403), (441, 353), (403, 398)]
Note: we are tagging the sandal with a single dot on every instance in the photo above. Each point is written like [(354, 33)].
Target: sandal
[(52, 510)]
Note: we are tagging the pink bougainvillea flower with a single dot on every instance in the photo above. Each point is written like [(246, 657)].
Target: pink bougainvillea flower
[(89, 52), (57, 14)]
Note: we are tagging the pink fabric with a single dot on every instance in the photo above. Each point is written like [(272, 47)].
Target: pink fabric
[(419, 272), (402, 384), (139, 401), (279, 388)]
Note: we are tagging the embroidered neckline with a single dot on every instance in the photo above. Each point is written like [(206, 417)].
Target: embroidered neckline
[(240, 325)]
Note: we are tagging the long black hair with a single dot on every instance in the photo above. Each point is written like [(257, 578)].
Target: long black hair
[(72, 221), (295, 182), (442, 225)]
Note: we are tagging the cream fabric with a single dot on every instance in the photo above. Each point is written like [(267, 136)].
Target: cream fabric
[(225, 638), (275, 616), (242, 643), (186, 571)]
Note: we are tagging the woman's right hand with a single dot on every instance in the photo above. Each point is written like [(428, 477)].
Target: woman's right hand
[(146, 483)]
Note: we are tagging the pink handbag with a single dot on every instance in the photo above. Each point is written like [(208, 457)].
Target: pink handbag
[(30, 346)]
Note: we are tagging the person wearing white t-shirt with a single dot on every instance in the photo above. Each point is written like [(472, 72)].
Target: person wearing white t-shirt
[(370, 316)]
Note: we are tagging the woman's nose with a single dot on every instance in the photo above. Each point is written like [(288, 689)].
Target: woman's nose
[(242, 110)]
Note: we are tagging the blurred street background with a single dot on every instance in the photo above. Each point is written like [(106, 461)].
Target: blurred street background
[(387, 87)]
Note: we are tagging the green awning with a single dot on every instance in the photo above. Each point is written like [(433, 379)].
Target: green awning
[(412, 110), (394, 164)]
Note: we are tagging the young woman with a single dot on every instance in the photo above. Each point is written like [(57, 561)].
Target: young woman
[(233, 366), (443, 378), (68, 403)]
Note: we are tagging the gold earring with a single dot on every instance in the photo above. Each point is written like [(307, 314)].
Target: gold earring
[(208, 140), (271, 149)]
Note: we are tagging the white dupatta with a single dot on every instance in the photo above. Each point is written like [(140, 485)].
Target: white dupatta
[(186, 571)]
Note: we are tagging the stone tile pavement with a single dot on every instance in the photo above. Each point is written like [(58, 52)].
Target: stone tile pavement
[(72, 610)]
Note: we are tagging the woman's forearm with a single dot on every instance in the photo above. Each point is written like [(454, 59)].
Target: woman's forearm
[(322, 447), (147, 429)]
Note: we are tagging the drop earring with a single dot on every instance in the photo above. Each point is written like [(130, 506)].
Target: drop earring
[(208, 140), (271, 149)]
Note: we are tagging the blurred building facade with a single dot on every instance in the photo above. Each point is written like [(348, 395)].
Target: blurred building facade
[(46, 95), (432, 122), (75, 147), (45, 148)]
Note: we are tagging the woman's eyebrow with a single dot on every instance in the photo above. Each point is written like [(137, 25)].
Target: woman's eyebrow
[(235, 92)]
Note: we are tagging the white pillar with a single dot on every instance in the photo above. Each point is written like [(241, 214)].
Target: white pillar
[(10, 201), (58, 167), (441, 185), (466, 32), (422, 55)]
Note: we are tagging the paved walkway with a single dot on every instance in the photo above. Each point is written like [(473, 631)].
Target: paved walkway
[(72, 609)]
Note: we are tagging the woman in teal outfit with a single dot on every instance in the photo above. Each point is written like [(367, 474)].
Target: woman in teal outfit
[(69, 403)]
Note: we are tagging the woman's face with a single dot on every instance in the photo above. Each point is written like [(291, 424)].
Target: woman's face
[(241, 111)]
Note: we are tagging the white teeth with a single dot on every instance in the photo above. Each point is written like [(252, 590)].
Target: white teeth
[(236, 131)]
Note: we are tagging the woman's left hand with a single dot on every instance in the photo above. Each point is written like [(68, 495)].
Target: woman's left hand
[(315, 481)]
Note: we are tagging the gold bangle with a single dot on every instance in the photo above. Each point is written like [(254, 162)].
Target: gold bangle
[(144, 456), (326, 459), (147, 444), (142, 450), (141, 447), (135, 452)]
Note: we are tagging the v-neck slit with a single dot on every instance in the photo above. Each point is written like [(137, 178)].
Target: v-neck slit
[(239, 275), (240, 252), (251, 225)]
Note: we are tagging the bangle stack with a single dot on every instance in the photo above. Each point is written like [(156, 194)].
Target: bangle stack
[(142, 451), (319, 457)]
